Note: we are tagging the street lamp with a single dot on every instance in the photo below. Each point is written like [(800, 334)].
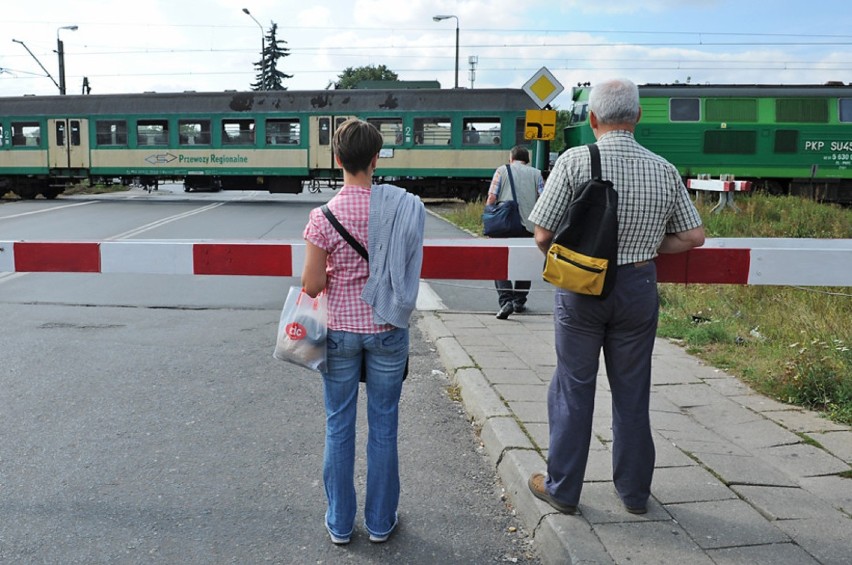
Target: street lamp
[(60, 50), (262, 49), (37, 61), (446, 17)]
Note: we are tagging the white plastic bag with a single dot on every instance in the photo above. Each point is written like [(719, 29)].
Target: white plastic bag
[(302, 330)]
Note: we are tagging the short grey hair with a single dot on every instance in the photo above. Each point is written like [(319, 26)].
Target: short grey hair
[(615, 102)]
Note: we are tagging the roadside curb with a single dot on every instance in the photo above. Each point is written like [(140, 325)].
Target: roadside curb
[(513, 456)]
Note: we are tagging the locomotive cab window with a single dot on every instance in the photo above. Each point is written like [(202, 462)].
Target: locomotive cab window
[(237, 132), (481, 131), (111, 133), (194, 132), (152, 132), (684, 109), (845, 109), (283, 132), (26, 134), (579, 113), (432, 131), (390, 128)]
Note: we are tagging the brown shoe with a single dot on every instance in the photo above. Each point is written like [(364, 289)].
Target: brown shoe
[(536, 484)]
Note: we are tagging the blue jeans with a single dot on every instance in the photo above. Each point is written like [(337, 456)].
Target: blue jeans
[(386, 354)]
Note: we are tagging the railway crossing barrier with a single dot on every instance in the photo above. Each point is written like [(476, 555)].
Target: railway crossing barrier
[(749, 261), (725, 185)]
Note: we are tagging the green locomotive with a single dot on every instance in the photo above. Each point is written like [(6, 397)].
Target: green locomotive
[(785, 139), (437, 142)]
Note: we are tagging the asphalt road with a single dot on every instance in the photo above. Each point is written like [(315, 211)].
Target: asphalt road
[(144, 419)]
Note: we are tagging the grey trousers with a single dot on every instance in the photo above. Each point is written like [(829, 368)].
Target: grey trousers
[(624, 326)]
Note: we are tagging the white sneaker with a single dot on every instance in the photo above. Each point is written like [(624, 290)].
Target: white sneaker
[(382, 539), (338, 541)]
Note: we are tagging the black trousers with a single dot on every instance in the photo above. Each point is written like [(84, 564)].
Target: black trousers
[(509, 292)]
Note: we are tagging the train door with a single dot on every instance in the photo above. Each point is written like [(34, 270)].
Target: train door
[(68, 143), (322, 130)]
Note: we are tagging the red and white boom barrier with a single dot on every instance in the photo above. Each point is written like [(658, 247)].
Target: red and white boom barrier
[(808, 262)]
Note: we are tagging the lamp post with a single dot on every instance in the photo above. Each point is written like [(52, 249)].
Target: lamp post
[(262, 50), (60, 50), (446, 17)]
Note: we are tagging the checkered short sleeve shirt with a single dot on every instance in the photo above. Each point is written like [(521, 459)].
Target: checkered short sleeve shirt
[(347, 271), (652, 200)]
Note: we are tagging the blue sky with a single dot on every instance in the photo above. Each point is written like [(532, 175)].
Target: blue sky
[(203, 45)]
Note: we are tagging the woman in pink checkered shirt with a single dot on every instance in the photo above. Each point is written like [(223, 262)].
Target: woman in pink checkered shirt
[(369, 307)]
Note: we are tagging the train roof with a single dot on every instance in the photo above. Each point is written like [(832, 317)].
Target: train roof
[(750, 90), (335, 102)]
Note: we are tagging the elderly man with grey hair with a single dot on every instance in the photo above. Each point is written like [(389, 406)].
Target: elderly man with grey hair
[(655, 215)]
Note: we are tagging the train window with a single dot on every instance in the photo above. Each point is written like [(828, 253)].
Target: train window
[(802, 110), (433, 131), (283, 132), (152, 132), (26, 134), (390, 128), (845, 110), (481, 131), (60, 133), (684, 109), (786, 141), (579, 113), (2, 136), (730, 110), (324, 131), (194, 132), (111, 132), (75, 132), (237, 132), (520, 128), (730, 142)]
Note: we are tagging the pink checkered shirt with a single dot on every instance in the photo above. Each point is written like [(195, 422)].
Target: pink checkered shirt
[(347, 271)]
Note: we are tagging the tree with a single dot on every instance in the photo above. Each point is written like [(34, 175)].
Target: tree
[(351, 76), (563, 118), (268, 75)]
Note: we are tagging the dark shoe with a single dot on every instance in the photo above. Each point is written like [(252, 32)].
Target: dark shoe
[(536, 484), (505, 310), (636, 509), (519, 308)]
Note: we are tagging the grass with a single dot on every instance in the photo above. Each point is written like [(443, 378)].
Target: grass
[(792, 344)]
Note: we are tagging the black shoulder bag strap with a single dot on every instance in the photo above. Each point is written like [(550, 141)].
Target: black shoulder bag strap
[(345, 234), (596, 161), (511, 181)]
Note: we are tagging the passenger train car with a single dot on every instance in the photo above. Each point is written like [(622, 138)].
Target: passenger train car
[(436, 142), (786, 139)]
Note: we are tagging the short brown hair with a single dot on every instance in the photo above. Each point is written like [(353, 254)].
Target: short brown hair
[(355, 143)]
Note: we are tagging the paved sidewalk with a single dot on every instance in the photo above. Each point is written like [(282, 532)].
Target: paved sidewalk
[(739, 478)]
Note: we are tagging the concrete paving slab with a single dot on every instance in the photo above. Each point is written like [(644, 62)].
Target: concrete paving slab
[(501, 434), (722, 410), (528, 411), (540, 433), (802, 421), (725, 523), (688, 484), (600, 504), (599, 466), (489, 358), (802, 460), (688, 395), (570, 539), (760, 403), (522, 392), (744, 470), (838, 443), (786, 503), (771, 554), (828, 541), (728, 385), (650, 543), (513, 376), (452, 354), (668, 455), (835, 490), (757, 434)]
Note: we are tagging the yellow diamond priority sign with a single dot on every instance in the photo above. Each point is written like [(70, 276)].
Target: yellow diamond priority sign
[(543, 87)]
